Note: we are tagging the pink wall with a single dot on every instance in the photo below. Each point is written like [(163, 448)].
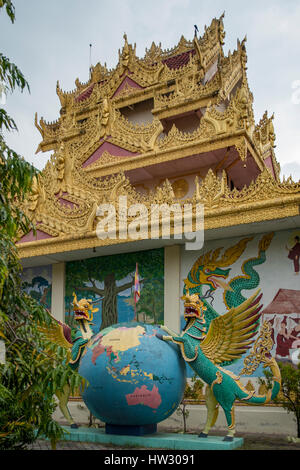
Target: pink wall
[(269, 164), (30, 237), (110, 148), (130, 83)]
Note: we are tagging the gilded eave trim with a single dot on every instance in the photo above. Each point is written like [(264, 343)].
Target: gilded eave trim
[(240, 140), (219, 217), (188, 105)]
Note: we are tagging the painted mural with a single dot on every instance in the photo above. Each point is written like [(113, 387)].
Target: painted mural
[(109, 282), (227, 273), (283, 314), (37, 282)]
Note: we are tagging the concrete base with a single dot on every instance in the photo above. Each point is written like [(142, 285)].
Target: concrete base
[(153, 441)]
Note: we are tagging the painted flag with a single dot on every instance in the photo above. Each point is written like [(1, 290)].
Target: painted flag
[(137, 288)]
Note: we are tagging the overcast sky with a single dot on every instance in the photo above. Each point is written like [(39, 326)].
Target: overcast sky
[(50, 39)]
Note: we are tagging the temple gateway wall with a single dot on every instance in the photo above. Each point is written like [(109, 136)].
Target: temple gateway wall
[(268, 261)]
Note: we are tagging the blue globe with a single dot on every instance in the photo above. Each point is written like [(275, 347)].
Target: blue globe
[(135, 379)]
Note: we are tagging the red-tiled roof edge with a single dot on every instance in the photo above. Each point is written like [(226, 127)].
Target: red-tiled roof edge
[(173, 63), (179, 60), (85, 94)]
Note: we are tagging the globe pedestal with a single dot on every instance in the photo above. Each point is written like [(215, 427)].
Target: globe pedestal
[(135, 380), (130, 430), (160, 440)]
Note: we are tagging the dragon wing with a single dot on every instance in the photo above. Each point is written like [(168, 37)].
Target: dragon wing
[(230, 335), (58, 333)]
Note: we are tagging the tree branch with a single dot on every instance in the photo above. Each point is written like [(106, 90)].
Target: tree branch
[(95, 290), (127, 286)]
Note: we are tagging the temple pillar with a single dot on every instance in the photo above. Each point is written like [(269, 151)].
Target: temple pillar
[(58, 291), (172, 288)]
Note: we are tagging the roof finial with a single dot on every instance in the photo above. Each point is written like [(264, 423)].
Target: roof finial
[(196, 29), (124, 57)]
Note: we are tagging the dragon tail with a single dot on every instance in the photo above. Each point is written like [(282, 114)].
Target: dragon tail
[(250, 278), (270, 394)]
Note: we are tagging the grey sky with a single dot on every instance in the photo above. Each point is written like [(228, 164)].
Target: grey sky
[(50, 41)]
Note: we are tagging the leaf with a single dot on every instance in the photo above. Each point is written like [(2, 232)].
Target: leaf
[(11, 75), (10, 9), (6, 121)]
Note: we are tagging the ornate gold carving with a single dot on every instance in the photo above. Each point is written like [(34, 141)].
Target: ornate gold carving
[(187, 89), (105, 119), (37, 197), (264, 139), (218, 380), (45, 208), (105, 159), (157, 54), (65, 98), (66, 194), (260, 352), (95, 116), (242, 148), (98, 73), (126, 90), (232, 69), (212, 190), (180, 188), (250, 387), (210, 45)]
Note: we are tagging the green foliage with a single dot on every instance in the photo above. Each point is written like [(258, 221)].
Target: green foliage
[(289, 396), (97, 269), (151, 302), (11, 76), (34, 369), (193, 391), (10, 9)]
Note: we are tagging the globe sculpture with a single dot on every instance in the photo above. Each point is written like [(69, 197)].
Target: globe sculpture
[(135, 380)]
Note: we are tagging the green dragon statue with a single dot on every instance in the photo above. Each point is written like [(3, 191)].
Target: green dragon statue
[(210, 341), (60, 334)]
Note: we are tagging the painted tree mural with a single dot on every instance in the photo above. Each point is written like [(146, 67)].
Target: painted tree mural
[(106, 277), (151, 304), (36, 282)]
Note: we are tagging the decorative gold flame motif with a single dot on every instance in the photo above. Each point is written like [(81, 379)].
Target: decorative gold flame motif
[(195, 77)]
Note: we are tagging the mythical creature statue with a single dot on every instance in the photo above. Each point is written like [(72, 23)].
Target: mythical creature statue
[(210, 341), (60, 334), (208, 274)]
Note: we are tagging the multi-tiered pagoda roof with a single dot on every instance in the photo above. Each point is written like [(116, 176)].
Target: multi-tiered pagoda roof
[(176, 126)]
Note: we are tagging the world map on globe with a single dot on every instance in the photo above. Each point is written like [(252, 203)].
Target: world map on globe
[(133, 377)]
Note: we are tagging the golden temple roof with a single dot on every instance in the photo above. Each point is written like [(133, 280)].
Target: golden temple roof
[(199, 133)]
